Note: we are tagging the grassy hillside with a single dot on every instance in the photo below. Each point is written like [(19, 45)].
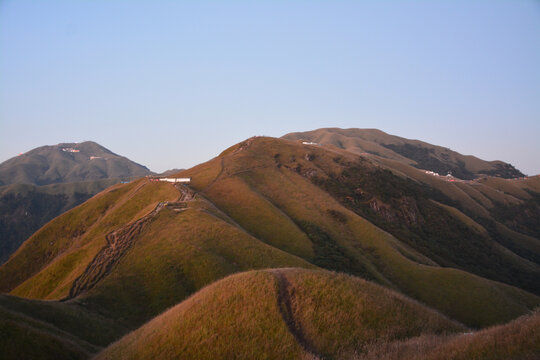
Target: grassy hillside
[(281, 314), (418, 153), (519, 339), (45, 182), (177, 254), (265, 178), (25, 208), (179, 249), (136, 249)]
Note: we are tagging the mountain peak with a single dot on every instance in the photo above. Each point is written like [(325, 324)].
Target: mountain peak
[(68, 162), (417, 153)]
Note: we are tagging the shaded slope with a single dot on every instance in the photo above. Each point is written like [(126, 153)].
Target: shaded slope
[(418, 153), (241, 317), (25, 208), (44, 330), (58, 163), (519, 339), (21, 340)]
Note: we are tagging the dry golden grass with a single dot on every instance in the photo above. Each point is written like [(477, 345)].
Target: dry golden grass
[(174, 256), (242, 317), (252, 188), (236, 318), (80, 246), (517, 340)]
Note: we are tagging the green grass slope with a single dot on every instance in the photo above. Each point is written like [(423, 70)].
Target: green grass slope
[(33, 329), (47, 263), (281, 314), (20, 340), (51, 164), (136, 249), (265, 178), (182, 248), (178, 253)]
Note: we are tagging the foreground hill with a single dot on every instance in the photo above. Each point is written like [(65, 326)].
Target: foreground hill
[(413, 152), (281, 314), (28, 203), (67, 162)]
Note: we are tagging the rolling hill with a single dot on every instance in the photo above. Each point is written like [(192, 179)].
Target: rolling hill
[(468, 251), (306, 314), (47, 181), (413, 152), (281, 314)]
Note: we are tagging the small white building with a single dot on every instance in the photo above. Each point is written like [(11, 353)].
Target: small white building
[(176, 180)]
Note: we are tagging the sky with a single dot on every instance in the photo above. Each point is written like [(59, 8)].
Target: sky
[(171, 84)]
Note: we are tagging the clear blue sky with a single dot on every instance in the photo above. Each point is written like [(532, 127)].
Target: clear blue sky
[(173, 83)]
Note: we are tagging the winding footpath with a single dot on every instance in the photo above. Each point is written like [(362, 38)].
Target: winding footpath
[(285, 300)]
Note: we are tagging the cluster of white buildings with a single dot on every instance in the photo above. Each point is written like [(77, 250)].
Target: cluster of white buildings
[(71, 150)]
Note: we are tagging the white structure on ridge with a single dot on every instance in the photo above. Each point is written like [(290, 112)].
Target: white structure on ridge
[(172, 180)]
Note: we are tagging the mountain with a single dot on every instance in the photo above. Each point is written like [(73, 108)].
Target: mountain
[(47, 181), (67, 162), (469, 251), (412, 152)]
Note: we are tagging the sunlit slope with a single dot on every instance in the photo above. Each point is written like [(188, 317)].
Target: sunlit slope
[(178, 253), (281, 314), (265, 178), (49, 261), (135, 250), (414, 152)]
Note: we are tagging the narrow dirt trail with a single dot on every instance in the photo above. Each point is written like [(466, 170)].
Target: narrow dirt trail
[(285, 299), (118, 242), (218, 176)]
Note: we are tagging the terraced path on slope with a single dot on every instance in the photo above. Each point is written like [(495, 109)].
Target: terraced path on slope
[(118, 242), (285, 300)]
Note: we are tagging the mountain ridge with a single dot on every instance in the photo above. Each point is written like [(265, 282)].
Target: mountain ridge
[(412, 152), (466, 249)]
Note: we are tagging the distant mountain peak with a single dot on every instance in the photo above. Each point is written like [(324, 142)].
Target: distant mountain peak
[(68, 162)]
